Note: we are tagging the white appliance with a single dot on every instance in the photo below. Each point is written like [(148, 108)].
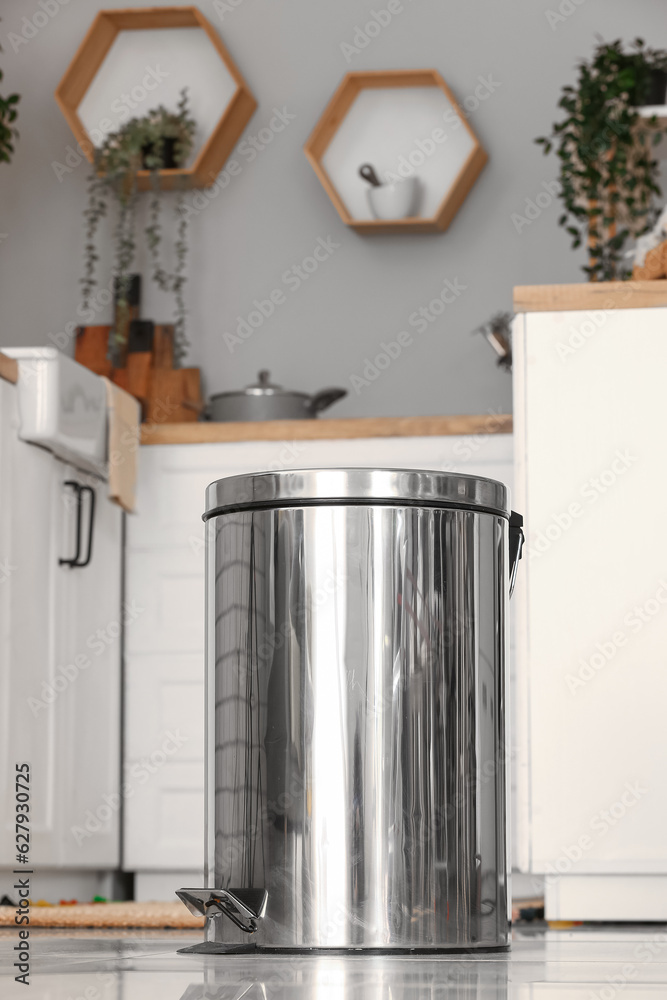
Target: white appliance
[(60, 616)]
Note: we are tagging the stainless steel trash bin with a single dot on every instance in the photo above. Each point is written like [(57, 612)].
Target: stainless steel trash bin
[(356, 698)]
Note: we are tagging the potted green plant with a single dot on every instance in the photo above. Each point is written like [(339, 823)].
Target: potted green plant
[(608, 174), (8, 132), (160, 140)]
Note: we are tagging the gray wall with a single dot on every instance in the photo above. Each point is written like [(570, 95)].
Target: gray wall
[(271, 215)]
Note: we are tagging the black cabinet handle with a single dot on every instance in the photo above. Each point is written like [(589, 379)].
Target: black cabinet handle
[(75, 562), (91, 522), (77, 490)]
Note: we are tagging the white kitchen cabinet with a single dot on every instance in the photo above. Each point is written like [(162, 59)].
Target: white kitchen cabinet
[(61, 651), (591, 475), (164, 692)]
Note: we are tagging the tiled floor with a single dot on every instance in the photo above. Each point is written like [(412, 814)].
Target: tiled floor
[(581, 964)]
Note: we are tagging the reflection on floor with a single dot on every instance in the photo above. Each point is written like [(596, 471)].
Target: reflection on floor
[(584, 963)]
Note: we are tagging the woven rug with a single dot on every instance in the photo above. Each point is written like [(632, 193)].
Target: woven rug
[(158, 915)]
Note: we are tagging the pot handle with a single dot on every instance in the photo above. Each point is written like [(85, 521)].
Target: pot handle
[(324, 399), (516, 546)]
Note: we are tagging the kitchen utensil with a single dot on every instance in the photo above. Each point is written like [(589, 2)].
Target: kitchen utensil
[(266, 401), (140, 336), (91, 348), (127, 305), (397, 200), (163, 346), (356, 698), (175, 396), (368, 174)]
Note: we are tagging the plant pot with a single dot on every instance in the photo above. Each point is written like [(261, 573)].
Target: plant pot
[(656, 92), (167, 149)]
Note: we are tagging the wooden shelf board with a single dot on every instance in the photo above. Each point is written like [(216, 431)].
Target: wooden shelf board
[(590, 295), (312, 430)]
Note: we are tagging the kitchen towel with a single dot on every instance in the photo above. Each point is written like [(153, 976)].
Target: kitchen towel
[(124, 419)]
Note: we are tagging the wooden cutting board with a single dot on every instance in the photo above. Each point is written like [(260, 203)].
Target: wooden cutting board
[(91, 348)]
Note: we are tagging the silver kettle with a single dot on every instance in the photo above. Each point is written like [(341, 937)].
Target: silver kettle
[(266, 401)]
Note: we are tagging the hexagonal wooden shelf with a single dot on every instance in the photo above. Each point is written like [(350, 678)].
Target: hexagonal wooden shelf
[(90, 56), (408, 119)]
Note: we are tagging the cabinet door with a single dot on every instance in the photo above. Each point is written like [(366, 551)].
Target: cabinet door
[(60, 674), (87, 629), (593, 658), (29, 486)]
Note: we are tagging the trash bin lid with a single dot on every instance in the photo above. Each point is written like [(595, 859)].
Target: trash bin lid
[(308, 487)]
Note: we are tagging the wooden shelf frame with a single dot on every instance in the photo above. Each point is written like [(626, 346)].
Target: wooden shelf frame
[(91, 54), (331, 120)]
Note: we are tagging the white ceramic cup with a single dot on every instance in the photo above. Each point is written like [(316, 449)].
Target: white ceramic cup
[(397, 200)]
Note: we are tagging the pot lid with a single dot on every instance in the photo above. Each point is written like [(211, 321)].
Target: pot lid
[(305, 487), (262, 387)]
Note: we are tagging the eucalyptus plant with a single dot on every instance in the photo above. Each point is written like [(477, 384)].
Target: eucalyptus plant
[(141, 144), (608, 173)]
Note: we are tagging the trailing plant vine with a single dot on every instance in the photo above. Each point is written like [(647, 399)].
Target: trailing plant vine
[(175, 281), (160, 140), (608, 174)]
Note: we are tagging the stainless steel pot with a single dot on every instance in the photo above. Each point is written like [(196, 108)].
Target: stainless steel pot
[(356, 699), (264, 401)]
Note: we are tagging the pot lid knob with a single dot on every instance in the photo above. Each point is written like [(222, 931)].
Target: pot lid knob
[(264, 382)]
